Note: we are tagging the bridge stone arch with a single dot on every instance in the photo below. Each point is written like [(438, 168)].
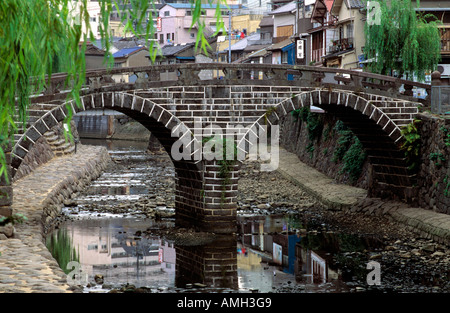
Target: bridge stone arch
[(195, 204), (373, 106), (375, 120)]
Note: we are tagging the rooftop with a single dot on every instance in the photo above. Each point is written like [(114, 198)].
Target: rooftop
[(126, 52), (169, 50), (287, 8), (204, 6)]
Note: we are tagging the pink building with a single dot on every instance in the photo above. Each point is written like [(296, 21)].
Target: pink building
[(176, 21)]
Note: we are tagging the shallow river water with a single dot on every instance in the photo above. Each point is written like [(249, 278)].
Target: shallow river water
[(110, 228)]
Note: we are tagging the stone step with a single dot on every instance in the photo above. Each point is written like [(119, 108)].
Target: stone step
[(393, 179), (57, 144), (51, 137)]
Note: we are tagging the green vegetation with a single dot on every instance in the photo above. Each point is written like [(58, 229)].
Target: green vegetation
[(344, 141), (313, 121), (13, 219), (349, 149), (227, 162), (354, 160), (41, 37), (404, 40), (411, 145), (60, 246), (446, 135), (438, 158), (447, 186)]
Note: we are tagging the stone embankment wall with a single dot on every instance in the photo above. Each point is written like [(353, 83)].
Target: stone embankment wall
[(433, 176), (322, 144), (50, 175), (52, 144), (433, 180)]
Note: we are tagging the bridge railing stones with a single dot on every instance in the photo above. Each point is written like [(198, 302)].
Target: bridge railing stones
[(241, 74)]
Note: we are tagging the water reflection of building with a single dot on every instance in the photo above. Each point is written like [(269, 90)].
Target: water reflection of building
[(277, 242), (120, 256), (274, 237)]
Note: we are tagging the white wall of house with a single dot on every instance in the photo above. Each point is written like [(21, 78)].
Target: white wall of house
[(282, 20), (176, 24)]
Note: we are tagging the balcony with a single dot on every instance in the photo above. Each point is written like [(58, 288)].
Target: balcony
[(317, 55), (445, 39), (341, 45)]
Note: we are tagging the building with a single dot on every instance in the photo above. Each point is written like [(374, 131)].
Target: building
[(130, 57), (321, 30), (94, 56), (183, 53), (94, 11), (346, 47), (240, 49), (284, 21), (283, 52), (176, 23), (116, 25)]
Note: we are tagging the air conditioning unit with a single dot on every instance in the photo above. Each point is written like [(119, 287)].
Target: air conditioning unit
[(444, 69)]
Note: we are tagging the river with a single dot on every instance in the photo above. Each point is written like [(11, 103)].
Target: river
[(120, 229)]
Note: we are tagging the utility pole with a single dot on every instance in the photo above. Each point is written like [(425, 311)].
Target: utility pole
[(229, 36)]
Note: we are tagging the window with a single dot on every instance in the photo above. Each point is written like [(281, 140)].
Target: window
[(350, 30), (188, 13), (284, 57), (166, 13), (168, 36), (161, 38), (173, 36), (192, 35)]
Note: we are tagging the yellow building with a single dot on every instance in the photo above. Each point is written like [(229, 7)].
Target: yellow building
[(242, 23)]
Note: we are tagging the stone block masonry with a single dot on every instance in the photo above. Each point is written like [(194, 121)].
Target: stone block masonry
[(26, 265)]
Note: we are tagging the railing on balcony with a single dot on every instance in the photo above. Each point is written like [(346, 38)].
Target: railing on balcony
[(341, 45), (317, 55)]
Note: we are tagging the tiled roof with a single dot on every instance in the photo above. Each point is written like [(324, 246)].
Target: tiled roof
[(169, 50), (355, 4), (204, 6), (93, 50), (291, 6), (126, 52), (280, 45), (243, 43), (267, 20)]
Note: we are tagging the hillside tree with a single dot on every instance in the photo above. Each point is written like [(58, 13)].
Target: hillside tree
[(401, 39)]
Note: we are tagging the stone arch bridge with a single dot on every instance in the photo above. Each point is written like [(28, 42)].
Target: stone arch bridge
[(176, 103)]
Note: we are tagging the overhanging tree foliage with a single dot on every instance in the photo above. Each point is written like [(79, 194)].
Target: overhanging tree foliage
[(402, 40), (39, 37)]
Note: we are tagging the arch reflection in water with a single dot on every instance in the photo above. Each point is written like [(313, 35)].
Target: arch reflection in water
[(117, 249), (213, 264)]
